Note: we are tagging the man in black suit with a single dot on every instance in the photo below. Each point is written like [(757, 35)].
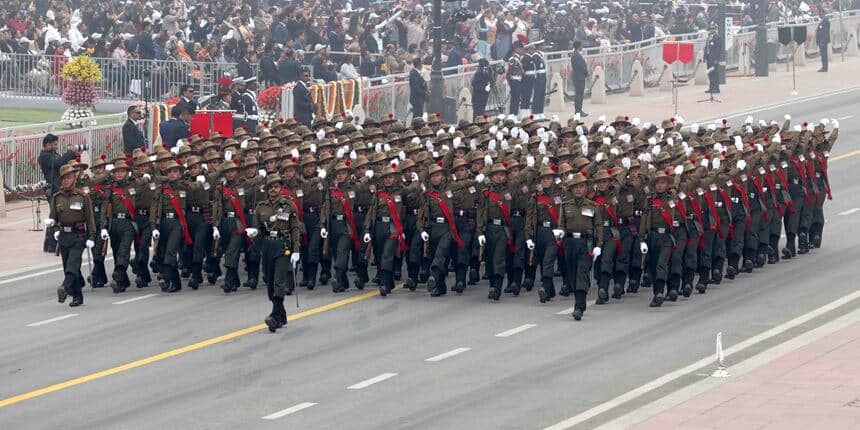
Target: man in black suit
[(712, 54), (417, 89), (177, 127), (822, 36), (303, 107), (186, 98), (288, 68), (132, 137), (579, 71)]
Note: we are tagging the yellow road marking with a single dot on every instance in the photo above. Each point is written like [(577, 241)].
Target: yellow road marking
[(178, 351), (846, 155)]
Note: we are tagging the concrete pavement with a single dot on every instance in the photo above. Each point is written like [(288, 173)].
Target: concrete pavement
[(138, 367)]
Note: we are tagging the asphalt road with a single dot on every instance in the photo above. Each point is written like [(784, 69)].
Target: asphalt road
[(404, 361)]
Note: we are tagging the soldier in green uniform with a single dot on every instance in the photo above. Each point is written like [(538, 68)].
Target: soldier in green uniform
[(167, 218), (520, 187), (72, 220), (542, 218), (145, 186), (228, 211), (198, 213), (412, 202), (437, 229), (581, 222), (384, 227), (118, 224), (96, 188), (656, 233), (631, 206), (364, 197), (465, 199), (276, 222), (338, 213), (494, 230), (252, 181), (312, 189), (607, 267)]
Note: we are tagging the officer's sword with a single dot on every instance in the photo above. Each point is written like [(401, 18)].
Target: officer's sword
[(90, 265), (293, 278)]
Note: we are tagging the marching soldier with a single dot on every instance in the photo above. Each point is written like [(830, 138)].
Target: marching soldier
[(252, 184), (198, 214), (438, 229), (118, 223), (97, 189), (384, 228), (312, 189), (494, 229), (167, 217), (609, 266), (229, 211), (656, 233), (581, 223), (74, 228), (276, 221), (541, 219), (412, 202), (145, 187), (340, 233), (465, 200)]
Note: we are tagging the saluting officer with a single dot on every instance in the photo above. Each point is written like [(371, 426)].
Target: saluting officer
[(72, 220), (528, 83), (581, 224), (277, 222)]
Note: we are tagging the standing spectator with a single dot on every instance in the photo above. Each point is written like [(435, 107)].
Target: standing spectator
[(822, 37), (145, 46), (483, 25), (268, 67), (132, 137), (504, 36), (417, 89), (288, 67), (579, 72), (303, 107)]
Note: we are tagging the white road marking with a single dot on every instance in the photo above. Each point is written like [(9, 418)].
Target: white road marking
[(850, 211), (567, 311), (371, 381), (448, 354), (48, 321), (791, 102), (288, 411), (515, 330), (669, 377), (134, 299), (35, 274), (845, 117)]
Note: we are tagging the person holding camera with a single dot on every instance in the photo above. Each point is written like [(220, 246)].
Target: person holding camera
[(481, 85), (50, 162)]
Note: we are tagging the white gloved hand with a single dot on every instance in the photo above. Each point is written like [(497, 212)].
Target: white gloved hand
[(339, 153), (643, 248), (599, 157), (146, 176), (834, 123), (530, 244), (679, 169), (104, 234), (321, 174), (596, 252), (480, 178), (295, 258), (90, 244), (425, 236), (457, 142), (366, 237), (558, 233), (482, 240), (542, 149), (530, 161), (369, 173), (353, 155), (201, 179), (252, 232), (216, 234), (704, 162), (415, 177), (156, 234), (323, 233), (49, 222), (742, 164), (56, 235), (488, 160), (716, 163)]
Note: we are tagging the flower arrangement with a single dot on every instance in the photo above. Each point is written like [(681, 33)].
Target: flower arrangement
[(270, 98), (82, 69), (81, 76)]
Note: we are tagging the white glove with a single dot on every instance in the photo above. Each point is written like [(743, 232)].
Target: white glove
[(366, 237), (716, 163), (614, 151), (488, 160), (626, 163), (542, 149), (216, 234), (56, 235), (425, 236), (321, 174), (369, 173), (704, 162), (558, 233), (353, 155), (599, 157), (313, 148), (530, 161), (643, 248), (323, 233), (321, 135), (401, 155), (252, 232), (787, 117), (295, 258), (530, 244), (742, 164), (679, 169), (155, 233), (480, 178), (457, 142), (487, 88), (262, 172), (415, 177), (201, 179), (90, 244), (482, 240), (339, 153), (104, 234), (834, 123), (595, 252), (49, 222), (146, 176)]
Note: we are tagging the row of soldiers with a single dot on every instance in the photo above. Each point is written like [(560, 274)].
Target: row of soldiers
[(526, 75), (670, 207)]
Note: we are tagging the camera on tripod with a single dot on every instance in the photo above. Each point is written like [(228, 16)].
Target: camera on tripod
[(79, 147), (461, 15)]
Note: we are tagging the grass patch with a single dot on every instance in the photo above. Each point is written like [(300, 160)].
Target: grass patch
[(10, 117)]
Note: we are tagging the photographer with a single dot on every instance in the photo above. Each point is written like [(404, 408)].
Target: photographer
[(50, 162), (481, 85)]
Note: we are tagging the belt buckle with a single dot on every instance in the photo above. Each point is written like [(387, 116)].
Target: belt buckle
[(576, 235), (386, 219), (120, 216), (661, 230), (440, 220), (414, 211), (338, 217), (546, 224), (67, 229), (97, 209), (195, 209), (170, 215), (273, 233), (231, 214), (497, 222)]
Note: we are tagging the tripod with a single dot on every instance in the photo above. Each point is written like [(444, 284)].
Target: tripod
[(710, 98)]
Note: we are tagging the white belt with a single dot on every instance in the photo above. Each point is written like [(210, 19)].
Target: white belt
[(235, 116), (440, 220), (530, 73), (546, 224), (541, 71), (338, 217), (252, 117), (576, 235), (385, 219), (516, 78)]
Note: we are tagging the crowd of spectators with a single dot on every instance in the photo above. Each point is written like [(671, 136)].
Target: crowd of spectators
[(336, 38)]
